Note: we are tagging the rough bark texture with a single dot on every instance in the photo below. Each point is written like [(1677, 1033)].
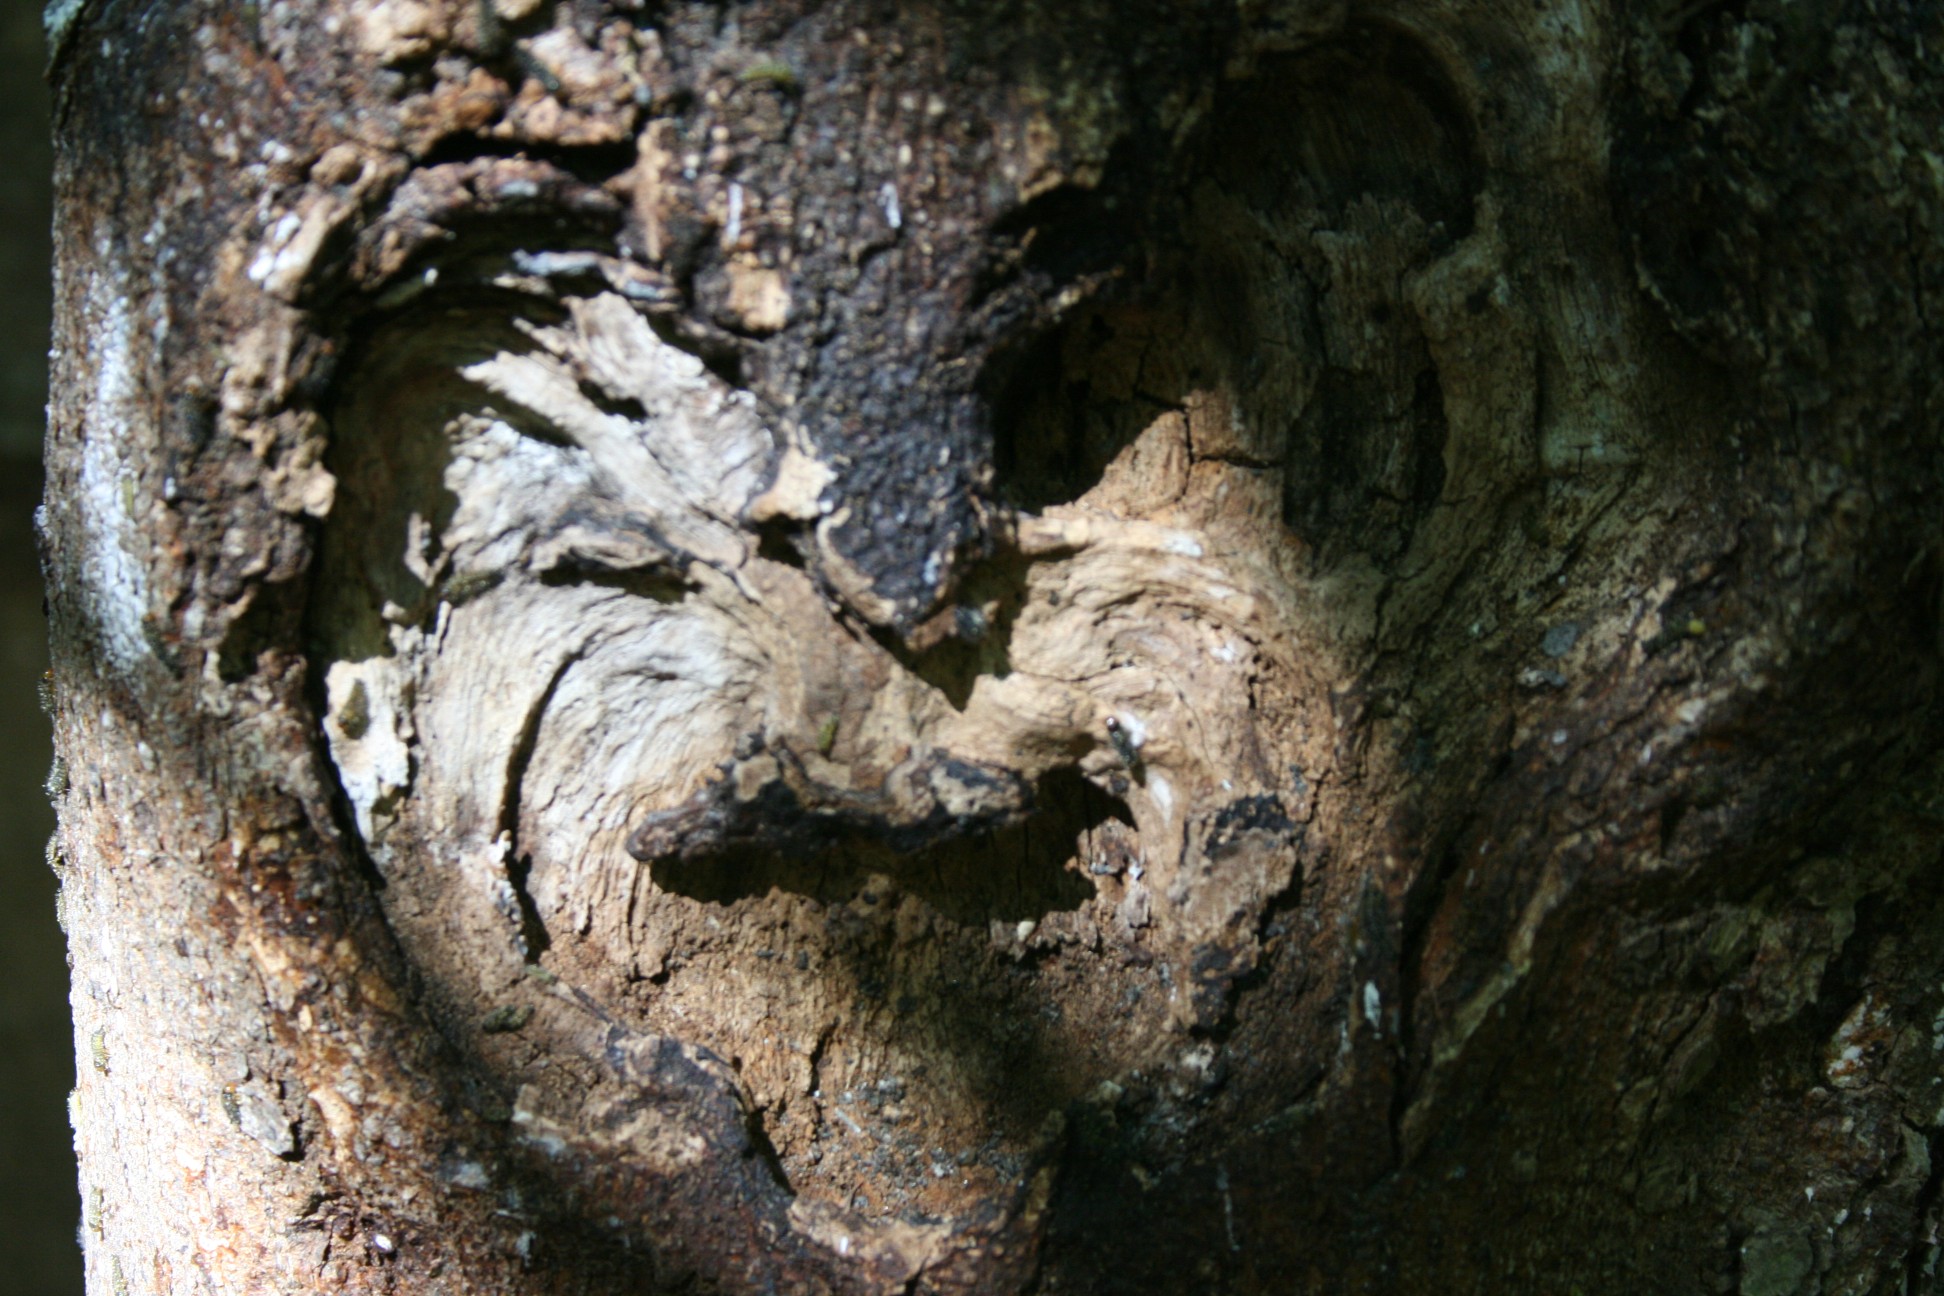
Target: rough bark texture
[(872, 647)]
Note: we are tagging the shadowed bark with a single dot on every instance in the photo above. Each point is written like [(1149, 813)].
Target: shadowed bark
[(867, 647)]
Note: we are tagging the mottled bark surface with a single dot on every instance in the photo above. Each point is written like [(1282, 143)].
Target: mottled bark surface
[(922, 647)]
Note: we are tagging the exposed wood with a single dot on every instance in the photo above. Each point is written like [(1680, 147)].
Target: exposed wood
[(1048, 648)]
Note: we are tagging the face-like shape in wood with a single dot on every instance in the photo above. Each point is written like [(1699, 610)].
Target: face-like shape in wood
[(923, 894), (645, 718), (1021, 643), (1111, 622)]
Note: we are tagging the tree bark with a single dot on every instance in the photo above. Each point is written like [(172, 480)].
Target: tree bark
[(866, 647)]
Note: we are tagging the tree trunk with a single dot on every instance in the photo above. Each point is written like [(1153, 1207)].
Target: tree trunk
[(1096, 647)]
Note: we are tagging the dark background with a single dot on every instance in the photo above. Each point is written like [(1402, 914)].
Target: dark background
[(39, 1202)]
